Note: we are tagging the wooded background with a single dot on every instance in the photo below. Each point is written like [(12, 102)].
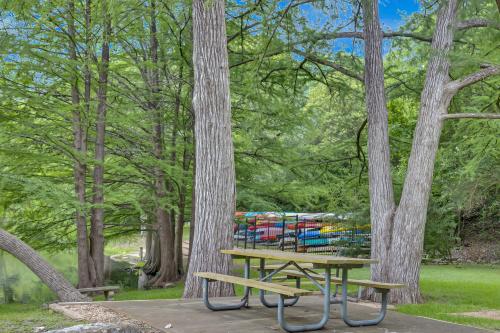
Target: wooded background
[(97, 130)]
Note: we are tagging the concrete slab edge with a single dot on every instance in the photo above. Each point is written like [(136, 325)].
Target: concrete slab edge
[(449, 322), (57, 307)]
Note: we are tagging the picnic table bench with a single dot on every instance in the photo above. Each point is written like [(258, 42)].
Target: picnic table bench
[(108, 291), (292, 294), (336, 280)]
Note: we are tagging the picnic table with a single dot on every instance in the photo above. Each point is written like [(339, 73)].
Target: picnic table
[(289, 296)]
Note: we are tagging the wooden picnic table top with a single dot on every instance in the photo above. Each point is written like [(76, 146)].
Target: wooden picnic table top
[(298, 257)]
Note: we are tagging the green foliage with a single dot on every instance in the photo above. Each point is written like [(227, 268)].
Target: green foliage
[(23, 318), (298, 127)]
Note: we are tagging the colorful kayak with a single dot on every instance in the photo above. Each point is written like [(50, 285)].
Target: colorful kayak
[(302, 225)]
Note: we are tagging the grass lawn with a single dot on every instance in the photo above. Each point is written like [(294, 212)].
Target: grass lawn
[(458, 288), (21, 318), (447, 289)]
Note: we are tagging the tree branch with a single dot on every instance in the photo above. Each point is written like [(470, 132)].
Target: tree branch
[(343, 70), (488, 70), (254, 24), (333, 35), (470, 115), (407, 34), (477, 23)]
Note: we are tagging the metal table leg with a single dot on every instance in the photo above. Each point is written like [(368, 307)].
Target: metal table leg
[(308, 327), (366, 322), (262, 294), (220, 307)]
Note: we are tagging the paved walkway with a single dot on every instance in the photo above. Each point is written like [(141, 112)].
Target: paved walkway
[(191, 316)]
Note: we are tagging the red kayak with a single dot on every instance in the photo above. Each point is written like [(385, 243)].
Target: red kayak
[(302, 225)]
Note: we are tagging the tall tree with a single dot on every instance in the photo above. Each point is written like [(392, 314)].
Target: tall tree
[(168, 270), (398, 232), (80, 164), (215, 174), (409, 220), (379, 163), (97, 212)]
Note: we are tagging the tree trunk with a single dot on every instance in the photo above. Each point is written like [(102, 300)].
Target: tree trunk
[(215, 174), (193, 213), (80, 166), (193, 184), (410, 217), (53, 279), (179, 224), (97, 216), (179, 233), (168, 271), (379, 166), (152, 259)]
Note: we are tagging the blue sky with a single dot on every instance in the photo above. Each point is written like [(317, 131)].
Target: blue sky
[(392, 12), (392, 15)]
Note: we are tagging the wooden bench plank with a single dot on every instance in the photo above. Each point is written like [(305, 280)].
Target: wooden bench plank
[(108, 291), (272, 287), (96, 289), (336, 280)]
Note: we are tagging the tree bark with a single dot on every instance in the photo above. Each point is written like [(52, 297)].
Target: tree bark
[(179, 233), (215, 174), (80, 166), (179, 224), (168, 271), (152, 258), (379, 166), (410, 217), (470, 116), (193, 212), (97, 213), (53, 279), (398, 234)]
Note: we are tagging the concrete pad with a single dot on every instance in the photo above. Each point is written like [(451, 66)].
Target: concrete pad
[(191, 316)]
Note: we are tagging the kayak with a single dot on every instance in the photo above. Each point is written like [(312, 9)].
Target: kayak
[(302, 225)]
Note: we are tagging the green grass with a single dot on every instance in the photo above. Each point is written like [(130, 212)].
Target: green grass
[(446, 289), (452, 289), (129, 294), (22, 318)]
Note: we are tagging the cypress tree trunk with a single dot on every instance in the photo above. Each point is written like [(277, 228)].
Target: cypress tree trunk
[(80, 166), (398, 234), (410, 217), (379, 166), (53, 279), (97, 216), (179, 225), (179, 232), (215, 174), (168, 270)]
